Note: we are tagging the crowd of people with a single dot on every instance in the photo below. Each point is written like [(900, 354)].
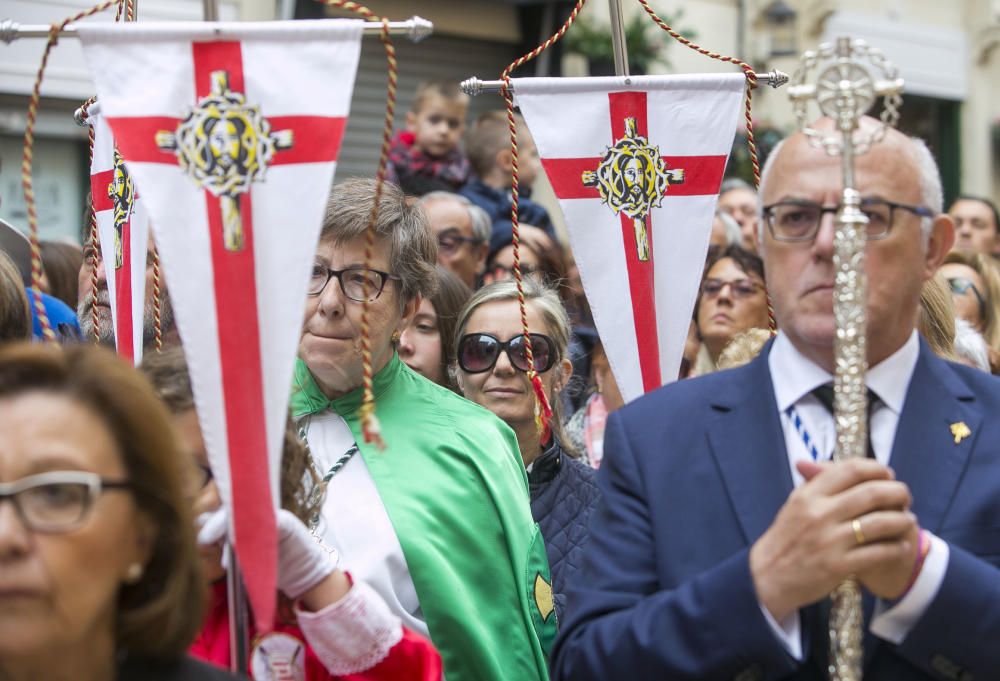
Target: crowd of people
[(693, 534)]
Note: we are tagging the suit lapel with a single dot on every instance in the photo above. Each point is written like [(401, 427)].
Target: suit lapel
[(749, 447), (924, 453)]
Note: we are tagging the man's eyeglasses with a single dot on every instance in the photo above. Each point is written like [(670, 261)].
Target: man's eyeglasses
[(357, 283), (739, 288), (56, 502), (450, 242), (479, 352), (961, 285), (799, 220)]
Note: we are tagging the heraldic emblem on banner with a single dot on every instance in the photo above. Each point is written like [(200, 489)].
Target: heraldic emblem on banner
[(121, 191), (632, 178), (224, 144)]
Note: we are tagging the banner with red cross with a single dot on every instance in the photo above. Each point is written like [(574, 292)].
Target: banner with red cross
[(123, 233), (232, 130), (636, 165)]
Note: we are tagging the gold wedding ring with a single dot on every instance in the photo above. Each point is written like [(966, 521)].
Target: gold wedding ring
[(859, 536)]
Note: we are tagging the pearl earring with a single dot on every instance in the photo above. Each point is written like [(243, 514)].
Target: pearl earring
[(134, 573)]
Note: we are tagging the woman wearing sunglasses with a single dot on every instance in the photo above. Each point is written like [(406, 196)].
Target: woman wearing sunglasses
[(491, 369), (732, 300), (975, 288), (320, 607), (437, 522), (99, 576)]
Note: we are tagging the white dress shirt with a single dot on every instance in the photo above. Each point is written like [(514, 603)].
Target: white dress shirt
[(794, 378), (355, 523)]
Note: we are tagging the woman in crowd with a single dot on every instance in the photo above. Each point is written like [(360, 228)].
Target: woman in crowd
[(975, 288), (99, 575), (328, 627), (438, 522), (427, 343), (732, 300), (936, 322), (585, 428), (15, 315), (491, 366)]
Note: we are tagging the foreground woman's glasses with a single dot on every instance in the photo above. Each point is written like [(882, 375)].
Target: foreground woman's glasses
[(58, 501)]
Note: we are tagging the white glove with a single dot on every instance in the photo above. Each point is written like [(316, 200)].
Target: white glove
[(302, 562)]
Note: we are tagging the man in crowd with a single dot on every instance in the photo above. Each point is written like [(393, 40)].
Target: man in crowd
[(977, 225), (105, 331), (722, 533), (462, 230), (738, 199)]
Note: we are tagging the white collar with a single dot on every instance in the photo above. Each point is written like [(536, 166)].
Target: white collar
[(794, 376)]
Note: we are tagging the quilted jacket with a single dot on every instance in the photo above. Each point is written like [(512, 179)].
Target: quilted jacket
[(563, 494)]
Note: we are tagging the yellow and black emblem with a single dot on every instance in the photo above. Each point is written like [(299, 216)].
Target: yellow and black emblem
[(121, 191), (632, 178), (224, 144), (543, 597)]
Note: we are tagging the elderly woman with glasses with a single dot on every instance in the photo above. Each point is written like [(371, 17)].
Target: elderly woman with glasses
[(491, 369), (438, 523), (732, 300), (99, 576)]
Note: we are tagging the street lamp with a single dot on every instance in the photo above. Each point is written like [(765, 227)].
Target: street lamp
[(780, 20)]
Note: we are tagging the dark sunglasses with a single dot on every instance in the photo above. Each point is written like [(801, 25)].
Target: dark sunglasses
[(479, 352)]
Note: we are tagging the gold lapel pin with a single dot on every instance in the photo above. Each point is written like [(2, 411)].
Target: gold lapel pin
[(960, 431)]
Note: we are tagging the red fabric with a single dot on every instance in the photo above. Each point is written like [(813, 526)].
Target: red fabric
[(414, 658)]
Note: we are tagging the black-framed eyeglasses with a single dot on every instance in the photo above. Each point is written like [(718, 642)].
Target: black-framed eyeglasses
[(358, 283), (479, 352), (799, 220), (739, 288), (960, 285), (449, 242), (58, 501)]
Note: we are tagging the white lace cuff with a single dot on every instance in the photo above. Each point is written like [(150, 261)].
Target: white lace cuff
[(353, 634)]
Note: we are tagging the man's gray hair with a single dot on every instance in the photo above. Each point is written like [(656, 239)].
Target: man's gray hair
[(734, 183), (970, 345), (734, 237), (480, 219), (412, 249), (931, 193)]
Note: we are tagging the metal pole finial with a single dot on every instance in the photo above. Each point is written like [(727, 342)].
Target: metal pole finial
[(845, 90)]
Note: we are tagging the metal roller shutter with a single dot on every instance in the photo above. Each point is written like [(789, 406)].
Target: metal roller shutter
[(437, 57)]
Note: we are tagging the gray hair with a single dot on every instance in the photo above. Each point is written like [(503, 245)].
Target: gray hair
[(970, 345), (734, 237), (480, 219), (931, 193), (412, 250), (735, 183)]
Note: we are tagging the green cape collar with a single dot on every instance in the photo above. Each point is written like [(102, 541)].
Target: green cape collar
[(308, 398)]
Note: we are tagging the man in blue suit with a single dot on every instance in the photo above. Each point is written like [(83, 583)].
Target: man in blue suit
[(724, 525)]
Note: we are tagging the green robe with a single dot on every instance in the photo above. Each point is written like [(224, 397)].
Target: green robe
[(454, 487)]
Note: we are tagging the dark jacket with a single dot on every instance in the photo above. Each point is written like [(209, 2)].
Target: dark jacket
[(497, 204), (181, 669), (563, 493)]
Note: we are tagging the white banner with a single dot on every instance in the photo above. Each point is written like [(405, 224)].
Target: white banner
[(637, 168), (233, 131), (123, 232)]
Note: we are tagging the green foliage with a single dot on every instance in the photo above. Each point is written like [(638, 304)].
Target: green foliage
[(646, 42)]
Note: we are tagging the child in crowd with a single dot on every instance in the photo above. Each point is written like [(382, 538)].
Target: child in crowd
[(488, 146), (425, 157)]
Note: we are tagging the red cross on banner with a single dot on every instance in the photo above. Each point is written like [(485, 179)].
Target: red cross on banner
[(702, 175), (121, 271), (219, 76)]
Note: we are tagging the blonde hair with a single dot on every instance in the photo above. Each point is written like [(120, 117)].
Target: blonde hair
[(743, 348), (937, 317), (15, 315), (991, 296), (446, 89)]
